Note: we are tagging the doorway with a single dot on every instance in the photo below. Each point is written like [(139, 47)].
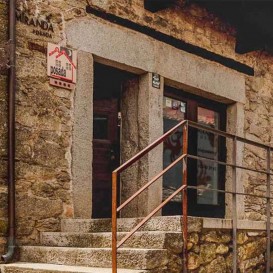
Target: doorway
[(203, 174), (108, 83)]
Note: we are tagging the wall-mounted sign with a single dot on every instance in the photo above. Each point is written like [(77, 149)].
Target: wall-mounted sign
[(156, 80), (183, 107), (37, 47), (61, 65), (41, 25)]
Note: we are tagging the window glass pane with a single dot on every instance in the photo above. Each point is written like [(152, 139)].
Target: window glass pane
[(173, 112), (207, 146), (174, 109), (100, 129)]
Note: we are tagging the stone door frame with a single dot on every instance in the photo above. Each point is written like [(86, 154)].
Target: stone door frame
[(141, 55)]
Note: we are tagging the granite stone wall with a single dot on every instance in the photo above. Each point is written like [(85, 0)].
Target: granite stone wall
[(44, 115), (211, 250), (44, 123)]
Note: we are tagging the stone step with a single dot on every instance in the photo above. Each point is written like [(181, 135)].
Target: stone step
[(95, 257), (162, 223), (150, 239), (53, 268)]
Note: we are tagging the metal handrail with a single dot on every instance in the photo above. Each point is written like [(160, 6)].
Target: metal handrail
[(116, 172), (135, 158), (185, 125), (150, 182), (199, 126), (148, 217)]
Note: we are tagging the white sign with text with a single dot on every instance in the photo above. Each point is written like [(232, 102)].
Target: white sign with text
[(61, 63)]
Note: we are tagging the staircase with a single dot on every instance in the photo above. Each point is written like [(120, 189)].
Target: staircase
[(84, 246)]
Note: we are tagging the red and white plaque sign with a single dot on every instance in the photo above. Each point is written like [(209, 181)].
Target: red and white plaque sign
[(61, 66)]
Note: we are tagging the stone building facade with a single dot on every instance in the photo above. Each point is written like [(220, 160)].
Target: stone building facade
[(54, 126)]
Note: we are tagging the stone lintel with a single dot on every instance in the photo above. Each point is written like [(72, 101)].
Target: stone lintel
[(137, 51)]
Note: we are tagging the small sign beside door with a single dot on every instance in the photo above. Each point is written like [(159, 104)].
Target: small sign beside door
[(61, 66), (156, 80)]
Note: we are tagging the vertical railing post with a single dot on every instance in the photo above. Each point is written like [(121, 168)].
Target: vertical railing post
[(234, 205), (114, 222), (185, 198), (268, 212)]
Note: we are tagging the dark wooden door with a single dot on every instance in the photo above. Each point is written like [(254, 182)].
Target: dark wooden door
[(105, 155)]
